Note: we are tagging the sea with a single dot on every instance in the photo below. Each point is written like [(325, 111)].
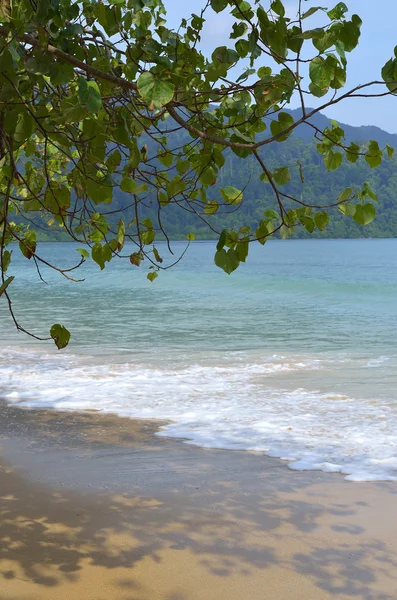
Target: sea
[(293, 355)]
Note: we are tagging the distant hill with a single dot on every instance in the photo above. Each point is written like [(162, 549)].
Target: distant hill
[(353, 134), (321, 187)]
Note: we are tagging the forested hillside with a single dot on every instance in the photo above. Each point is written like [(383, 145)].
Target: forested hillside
[(310, 181), (320, 187)]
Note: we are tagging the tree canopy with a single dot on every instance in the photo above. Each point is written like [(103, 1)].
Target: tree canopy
[(102, 96)]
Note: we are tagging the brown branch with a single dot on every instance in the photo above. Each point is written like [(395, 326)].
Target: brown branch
[(128, 85), (270, 178)]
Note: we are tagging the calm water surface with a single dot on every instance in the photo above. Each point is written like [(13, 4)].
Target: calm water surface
[(294, 354)]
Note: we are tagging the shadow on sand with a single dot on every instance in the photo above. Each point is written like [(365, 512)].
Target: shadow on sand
[(111, 506)]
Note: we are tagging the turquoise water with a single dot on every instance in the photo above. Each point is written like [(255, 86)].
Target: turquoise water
[(294, 354)]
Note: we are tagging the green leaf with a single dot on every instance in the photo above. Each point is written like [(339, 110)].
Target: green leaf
[(128, 185), (218, 5), (312, 34), (94, 100), (339, 78), (352, 153), (311, 11), (114, 160), (57, 196), (28, 244), (24, 128), (338, 11), (242, 48), (282, 175), (321, 72), (157, 255), (100, 227), (390, 150), (333, 160), (42, 8), (208, 176), (120, 234), (278, 7), (227, 261), (285, 232), (147, 223), (349, 33), (154, 91), (347, 209), (61, 74), (321, 220), (277, 127), (373, 156), (39, 64), (6, 260), (389, 75), (307, 223), (271, 214), (225, 56), (96, 253), (239, 29), (364, 214), (101, 254), (243, 10), (135, 155), (290, 217), (231, 195), (5, 285), (84, 253), (263, 177), (340, 48), (166, 158), (264, 230), (152, 275), (6, 60), (242, 248), (182, 166), (147, 236), (345, 194), (121, 135), (367, 191), (222, 239), (60, 335), (89, 95), (316, 91), (211, 207), (99, 190)]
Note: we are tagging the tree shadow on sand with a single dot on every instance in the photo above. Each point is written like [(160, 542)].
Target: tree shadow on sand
[(236, 514)]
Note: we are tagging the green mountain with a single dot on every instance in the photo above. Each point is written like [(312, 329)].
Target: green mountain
[(353, 134), (320, 187)]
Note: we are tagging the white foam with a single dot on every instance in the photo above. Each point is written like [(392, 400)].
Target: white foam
[(240, 400), (375, 362)]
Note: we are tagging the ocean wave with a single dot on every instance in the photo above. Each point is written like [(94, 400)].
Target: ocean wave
[(231, 400)]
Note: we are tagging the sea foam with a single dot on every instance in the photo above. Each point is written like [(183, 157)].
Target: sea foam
[(230, 400)]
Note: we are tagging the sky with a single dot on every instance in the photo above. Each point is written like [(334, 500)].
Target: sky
[(377, 42)]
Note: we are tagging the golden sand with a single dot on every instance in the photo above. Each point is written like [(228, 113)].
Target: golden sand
[(180, 523)]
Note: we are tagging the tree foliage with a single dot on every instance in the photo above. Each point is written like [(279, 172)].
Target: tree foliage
[(98, 96)]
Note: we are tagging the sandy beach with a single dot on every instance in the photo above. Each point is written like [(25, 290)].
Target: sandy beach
[(97, 507)]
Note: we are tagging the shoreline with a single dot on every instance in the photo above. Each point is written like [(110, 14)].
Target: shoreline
[(214, 239), (97, 507)]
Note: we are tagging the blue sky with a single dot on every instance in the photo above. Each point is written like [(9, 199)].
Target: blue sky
[(378, 38)]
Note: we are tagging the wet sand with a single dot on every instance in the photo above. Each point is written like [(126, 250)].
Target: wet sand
[(97, 507)]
